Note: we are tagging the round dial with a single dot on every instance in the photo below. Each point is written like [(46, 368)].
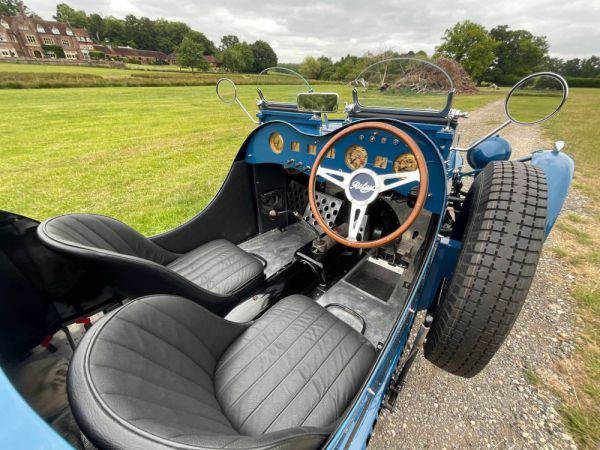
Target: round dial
[(276, 142), (356, 157), (405, 163)]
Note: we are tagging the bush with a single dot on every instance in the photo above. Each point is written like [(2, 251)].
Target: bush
[(97, 55), (583, 82), (56, 49)]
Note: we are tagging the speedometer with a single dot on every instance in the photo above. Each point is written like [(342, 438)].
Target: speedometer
[(405, 163), (356, 157)]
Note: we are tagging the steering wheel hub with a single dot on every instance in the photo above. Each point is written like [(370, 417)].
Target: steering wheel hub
[(363, 187)]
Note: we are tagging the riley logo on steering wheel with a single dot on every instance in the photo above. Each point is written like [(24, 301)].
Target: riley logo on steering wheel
[(364, 188)]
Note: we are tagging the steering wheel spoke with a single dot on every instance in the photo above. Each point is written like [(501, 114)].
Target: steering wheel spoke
[(357, 215), (394, 180), (336, 177)]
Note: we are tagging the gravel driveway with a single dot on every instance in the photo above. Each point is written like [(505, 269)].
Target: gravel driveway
[(500, 407)]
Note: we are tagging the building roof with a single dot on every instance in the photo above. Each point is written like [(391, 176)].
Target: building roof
[(126, 52)]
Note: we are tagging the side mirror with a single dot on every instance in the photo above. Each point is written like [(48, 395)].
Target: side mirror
[(536, 98), (227, 93), (318, 102)]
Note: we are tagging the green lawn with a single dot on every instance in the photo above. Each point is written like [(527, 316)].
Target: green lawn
[(152, 157), (578, 244)]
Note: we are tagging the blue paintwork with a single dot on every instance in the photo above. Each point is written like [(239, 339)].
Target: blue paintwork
[(258, 152), (495, 148), (558, 168), (21, 427), (442, 266)]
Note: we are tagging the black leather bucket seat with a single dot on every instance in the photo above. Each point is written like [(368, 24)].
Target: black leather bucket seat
[(216, 274), (163, 372)]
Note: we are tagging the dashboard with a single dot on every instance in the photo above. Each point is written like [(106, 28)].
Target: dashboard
[(295, 150)]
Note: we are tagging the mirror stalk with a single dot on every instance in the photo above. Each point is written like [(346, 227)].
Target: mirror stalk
[(484, 138), (252, 119)]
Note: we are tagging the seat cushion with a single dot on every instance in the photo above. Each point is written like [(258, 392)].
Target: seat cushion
[(297, 366), (219, 267), (164, 372)]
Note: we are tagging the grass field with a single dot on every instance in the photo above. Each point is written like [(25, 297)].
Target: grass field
[(149, 156), (579, 247)]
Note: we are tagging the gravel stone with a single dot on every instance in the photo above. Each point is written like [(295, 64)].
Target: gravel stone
[(498, 408)]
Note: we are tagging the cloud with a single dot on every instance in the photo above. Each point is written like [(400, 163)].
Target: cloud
[(296, 29)]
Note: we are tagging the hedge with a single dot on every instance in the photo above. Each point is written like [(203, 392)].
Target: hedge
[(511, 80)]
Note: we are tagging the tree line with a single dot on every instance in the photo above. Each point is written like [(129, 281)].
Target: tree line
[(162, 35), (500, 55), (171, 37)]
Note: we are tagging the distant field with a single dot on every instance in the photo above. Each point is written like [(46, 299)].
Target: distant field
[(152, 157), (31, 76)]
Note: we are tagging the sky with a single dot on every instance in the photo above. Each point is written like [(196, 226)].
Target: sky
[(297, 28)]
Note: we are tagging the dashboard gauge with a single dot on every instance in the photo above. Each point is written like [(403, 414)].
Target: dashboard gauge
[(405, 163), (380, 162), (356, 157), (276, 142)]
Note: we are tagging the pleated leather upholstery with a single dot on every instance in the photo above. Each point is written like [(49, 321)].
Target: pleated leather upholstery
[(105, 233), (217, 274), (299, 365), (218, 266), (162, 372)]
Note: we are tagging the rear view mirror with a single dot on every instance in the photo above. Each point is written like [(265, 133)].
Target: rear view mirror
[(536, 98), (318, 102)]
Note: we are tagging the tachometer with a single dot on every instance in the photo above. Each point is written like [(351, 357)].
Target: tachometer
[(405, 163), (356, 157), (276, 142)]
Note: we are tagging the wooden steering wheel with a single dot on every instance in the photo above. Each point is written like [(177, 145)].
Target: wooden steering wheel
[(363, 186)]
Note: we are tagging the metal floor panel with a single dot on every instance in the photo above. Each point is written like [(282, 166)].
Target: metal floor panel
[(278, 247)]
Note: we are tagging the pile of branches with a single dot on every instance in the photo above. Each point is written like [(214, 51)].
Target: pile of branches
[(424, 78)]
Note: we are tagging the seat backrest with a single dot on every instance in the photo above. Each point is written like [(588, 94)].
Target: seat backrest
[(104, 233), (126, 260)]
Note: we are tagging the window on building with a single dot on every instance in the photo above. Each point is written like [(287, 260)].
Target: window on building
[(66, 43), (5, 53), (3, 38), (23, 27), (55, 30), (48, 41), (88, 39), (30, 39), (40, 29), (13, 38), (69, 32), (71, 55)]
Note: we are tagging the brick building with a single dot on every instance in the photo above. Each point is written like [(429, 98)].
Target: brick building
[(129, 54), (32, 37)]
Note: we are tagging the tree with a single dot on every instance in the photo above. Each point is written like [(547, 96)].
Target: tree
[(264, 56), (66, 14), (191, 54), (471, 45), (517, 52), (310, 67), (238, 58), (229, 41), (200, 38), (8, 8)]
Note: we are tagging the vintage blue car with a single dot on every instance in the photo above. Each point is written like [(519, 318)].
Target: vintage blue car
[(287, 313)]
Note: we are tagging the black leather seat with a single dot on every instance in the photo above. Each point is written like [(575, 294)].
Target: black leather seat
[(216, 274), (164, 372)]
